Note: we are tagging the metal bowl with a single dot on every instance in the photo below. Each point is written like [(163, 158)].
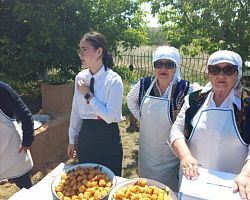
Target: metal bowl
[(102, 168), (133, 181)]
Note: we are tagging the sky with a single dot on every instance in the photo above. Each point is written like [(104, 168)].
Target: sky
[(152, 21)]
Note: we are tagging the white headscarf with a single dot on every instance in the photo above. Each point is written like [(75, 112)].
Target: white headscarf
[(171, 53), (225, 56)]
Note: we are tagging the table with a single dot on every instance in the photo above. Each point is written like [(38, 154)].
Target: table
[(42, 190)]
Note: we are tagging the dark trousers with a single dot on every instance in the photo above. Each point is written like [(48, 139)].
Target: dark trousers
[(23, 181)]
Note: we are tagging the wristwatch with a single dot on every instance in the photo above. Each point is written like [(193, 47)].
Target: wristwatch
[(87, 97)]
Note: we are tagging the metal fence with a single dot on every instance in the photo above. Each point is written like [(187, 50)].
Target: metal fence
[(192, 68)]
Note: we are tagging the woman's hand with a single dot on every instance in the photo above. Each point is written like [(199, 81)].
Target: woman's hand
[(189, 167), (23, 149), (242, 185), (82, 87), (188, 163), (242, 182), (71, 151)]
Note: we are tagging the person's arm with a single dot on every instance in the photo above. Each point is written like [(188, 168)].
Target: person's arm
[(111, 111), (75, 119), (188, 162), (22, 113), (133, 100), (74, 129), (74, 126), (177, 130)]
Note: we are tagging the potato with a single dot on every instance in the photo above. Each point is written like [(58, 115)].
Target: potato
[(120, 194), (79, 178), (67, 193), (87, 195), (100, 176), (107, 189), (91, 176), (97, 195), (140, 191), (104, 193), (82, 189), (128, 194), (94, 183), (73, 182), (60, 195), (59, 188), (109, 184), (135, 197), (142, 182), (80, 196), (74, 197), (91, 190), (63, 176), (102, 182), (83, 184), (149, 190)]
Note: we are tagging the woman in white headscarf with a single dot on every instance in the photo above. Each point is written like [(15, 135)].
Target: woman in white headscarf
[(216, 133), (155, 102)]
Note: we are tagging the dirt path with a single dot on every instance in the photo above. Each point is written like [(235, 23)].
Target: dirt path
[(130, 150)]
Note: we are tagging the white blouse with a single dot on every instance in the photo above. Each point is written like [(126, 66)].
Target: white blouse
[(106, 103)]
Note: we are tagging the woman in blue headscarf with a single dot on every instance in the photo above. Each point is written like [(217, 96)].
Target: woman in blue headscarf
[(213, 126)]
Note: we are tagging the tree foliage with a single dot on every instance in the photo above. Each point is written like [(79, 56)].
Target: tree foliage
[(39, 35), (206, 25)]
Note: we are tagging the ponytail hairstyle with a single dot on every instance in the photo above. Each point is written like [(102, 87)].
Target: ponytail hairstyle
[(98, 40)]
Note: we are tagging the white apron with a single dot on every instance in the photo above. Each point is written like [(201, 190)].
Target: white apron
[(156, 160), (12, 163), (215, 141)]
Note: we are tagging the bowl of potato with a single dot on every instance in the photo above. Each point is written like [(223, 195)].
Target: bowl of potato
[(141, 189), (84, 181)]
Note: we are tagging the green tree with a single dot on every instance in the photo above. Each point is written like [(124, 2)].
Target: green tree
[(39, 35), (206, 25)]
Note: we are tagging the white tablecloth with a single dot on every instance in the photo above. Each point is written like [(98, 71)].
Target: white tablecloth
[(42, 190)]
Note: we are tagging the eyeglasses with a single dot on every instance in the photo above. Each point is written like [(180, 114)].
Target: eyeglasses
[(228, 70), (167, 65)]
